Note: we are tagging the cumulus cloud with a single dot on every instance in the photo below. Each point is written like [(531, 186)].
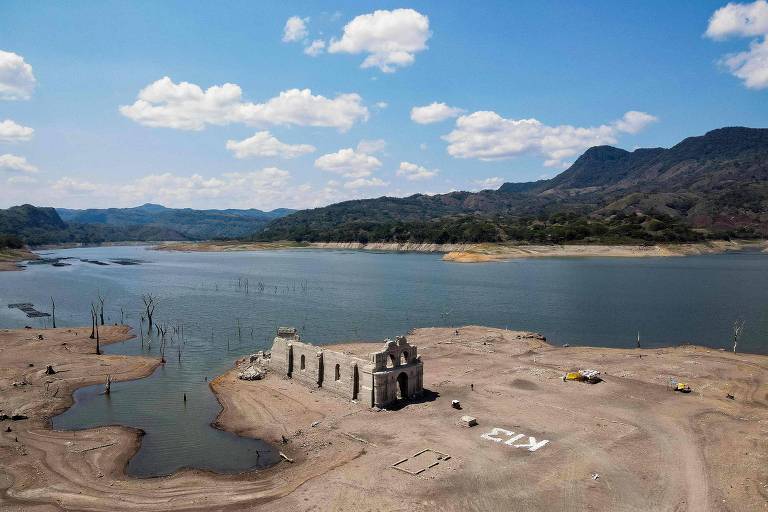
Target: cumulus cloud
[(389, 38), (751, 66), (488, 136), (186, 106), (15, 163), (315, 48), (744, 20), (349, 163), (434, 113), (371, 146), (266, 187), (13, 132), (295, 29), (414, 172), (365, 183), (16, 78), (490, 183), (634, 122), (265, 144)]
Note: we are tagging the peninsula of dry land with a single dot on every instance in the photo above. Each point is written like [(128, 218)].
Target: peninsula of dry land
[(625, 444), (9, 258)]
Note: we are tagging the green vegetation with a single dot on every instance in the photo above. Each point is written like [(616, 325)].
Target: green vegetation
[(558, 228)]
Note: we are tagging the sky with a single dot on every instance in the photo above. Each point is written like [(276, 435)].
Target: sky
[(301, 104)]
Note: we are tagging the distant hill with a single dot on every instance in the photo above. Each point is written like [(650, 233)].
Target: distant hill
[(150, 222), (192, 224), (715, 185)]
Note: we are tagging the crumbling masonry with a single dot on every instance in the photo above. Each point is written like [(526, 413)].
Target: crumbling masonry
[(393, 373)]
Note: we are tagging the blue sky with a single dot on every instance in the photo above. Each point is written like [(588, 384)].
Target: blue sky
[(576, 69)]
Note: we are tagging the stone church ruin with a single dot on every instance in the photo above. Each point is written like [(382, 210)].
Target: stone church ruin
[(396, 372)]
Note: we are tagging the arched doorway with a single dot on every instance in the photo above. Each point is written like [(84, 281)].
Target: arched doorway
[(402, 386)]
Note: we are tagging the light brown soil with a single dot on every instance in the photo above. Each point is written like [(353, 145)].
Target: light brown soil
[(10, 257), (653, 449), (478, 253), (501, 252)]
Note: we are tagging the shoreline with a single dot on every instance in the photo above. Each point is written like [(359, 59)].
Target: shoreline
[(10, 259), (478, 253), (344, 461)]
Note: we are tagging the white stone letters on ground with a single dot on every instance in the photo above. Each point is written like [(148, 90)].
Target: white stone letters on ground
[(500, 435)]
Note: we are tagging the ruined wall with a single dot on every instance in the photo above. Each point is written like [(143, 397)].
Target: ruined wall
[(387, 387), (312, 372), (281, 351), (394, 372), (346, 383)]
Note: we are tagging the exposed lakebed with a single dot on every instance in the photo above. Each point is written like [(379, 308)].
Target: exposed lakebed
[(229, 305)]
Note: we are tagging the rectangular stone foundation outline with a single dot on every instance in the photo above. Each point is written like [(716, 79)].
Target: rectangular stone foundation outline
[(441, 458)]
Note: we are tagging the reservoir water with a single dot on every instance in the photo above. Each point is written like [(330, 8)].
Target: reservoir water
[(336, 296)]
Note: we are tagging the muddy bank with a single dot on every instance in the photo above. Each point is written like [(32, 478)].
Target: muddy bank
[(497, 252), (473, 253), (627, 443), (10, 258)]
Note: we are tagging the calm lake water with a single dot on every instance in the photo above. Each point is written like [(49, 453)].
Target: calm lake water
[(334, 296)]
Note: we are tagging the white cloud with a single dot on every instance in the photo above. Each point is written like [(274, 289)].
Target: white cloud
[(13, 132), (751, 66), (414, 172), (365, 183), (14, 163), (434, 113), (490, 183), (21, 179), (744, 20), (488, 136), (186, 106), (382, 104), (634, 122), (265, 144), (295, 29), (315, 48), (16, 78), (390, 38), (266, 187), (349, 163), (371, 146)]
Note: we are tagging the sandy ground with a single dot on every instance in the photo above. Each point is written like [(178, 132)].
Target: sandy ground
[(498, 252), (477, 253), (10, 257), (652, 448)]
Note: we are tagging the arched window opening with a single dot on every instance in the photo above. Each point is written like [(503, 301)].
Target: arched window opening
[(303, 363), (404, 357), (391, 362), (337, 373)]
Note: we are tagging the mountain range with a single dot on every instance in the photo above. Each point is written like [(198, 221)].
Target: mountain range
[(149, 222), (709, 186)]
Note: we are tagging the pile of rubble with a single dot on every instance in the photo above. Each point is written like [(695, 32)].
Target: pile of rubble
[(257, 369)]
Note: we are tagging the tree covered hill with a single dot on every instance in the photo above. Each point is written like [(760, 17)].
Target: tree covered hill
[(34, 225), (715, 185)]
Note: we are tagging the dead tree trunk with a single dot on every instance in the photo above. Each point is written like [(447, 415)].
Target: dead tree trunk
[(94, 316), (150, 302), (738, 326), (101, 309), (53, 312)]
